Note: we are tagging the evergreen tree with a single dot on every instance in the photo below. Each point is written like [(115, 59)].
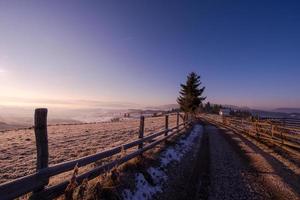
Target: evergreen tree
[(191, 94), (207, 107), (216, 109)]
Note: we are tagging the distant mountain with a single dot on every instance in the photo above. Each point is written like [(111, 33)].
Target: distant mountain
[(288, 110), (63, 121), (234, 107), (163, 107), (5, 126), (276, 113)]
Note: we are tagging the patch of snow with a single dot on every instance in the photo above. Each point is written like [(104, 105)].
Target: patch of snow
[(184, 145), (158, 176), (170, 155), (144, 190)]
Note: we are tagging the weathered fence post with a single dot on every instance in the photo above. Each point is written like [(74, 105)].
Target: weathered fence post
[(256, 129), (272, 132), (281, 135), (177, 120), (166, 124), (141, 131), (41, 137)]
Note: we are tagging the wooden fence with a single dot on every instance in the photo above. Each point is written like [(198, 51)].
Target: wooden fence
[(284, 137), (37, 182), (286, 122)]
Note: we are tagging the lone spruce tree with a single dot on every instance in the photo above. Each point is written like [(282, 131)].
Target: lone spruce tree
[(191, 94)]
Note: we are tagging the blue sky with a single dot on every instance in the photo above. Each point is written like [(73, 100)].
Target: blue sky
[(247, 52)]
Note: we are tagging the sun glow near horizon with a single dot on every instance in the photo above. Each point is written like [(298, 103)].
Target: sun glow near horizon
[(61, 103), (104, 52)]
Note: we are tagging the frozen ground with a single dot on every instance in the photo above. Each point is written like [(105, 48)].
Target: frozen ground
[(67, 142), (146, 190)]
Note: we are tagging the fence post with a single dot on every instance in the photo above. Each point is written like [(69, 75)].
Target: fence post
[(177, 120), (281, 131), (141, 131), (256, 129), (166, 124), (41, 137), (272, 130)]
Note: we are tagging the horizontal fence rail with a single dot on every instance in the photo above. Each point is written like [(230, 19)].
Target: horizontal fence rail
[(269, 130), (37, 182), (287, 122)]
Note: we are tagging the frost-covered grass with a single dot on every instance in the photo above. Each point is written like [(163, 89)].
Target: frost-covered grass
[(145, 189), (68, 142)]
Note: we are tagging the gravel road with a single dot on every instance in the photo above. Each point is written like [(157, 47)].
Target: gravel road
[(241, 170), (227, 170), (225, 165)]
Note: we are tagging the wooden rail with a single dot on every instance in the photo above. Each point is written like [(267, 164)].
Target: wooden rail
[(287, 122), (281, 136), (37, 182)]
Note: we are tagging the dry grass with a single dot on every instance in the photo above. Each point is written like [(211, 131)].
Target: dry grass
[(110, 185), (68, 142)]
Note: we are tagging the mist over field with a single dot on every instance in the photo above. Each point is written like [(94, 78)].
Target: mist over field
[(86, 112), (12, 117)]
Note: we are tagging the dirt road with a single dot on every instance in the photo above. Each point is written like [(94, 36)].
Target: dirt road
[(227, 170), (239, 169), (229, 166)]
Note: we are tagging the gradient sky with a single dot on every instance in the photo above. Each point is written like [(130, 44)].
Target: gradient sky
[(247, 52)]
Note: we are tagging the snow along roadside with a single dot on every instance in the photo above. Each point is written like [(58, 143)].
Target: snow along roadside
[(144, 190)]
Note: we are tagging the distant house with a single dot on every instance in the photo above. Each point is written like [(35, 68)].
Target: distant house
[(224, 112)]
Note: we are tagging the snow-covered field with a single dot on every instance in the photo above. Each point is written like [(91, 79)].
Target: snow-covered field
[(145, 190), (67, 142)]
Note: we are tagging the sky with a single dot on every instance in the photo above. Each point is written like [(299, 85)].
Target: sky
[(138, 52)]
